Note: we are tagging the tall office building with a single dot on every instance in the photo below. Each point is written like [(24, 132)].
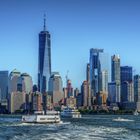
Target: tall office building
[(98, 63), (86, 96), (13, 81), (126, 74), (44, 66), (17, 102), (55, 82), (76, 92), (137, 88), (126, 83), (25, 83), (137, 91), (104, 81), (3, 85), (84, 90), (115, 75), (115, 68), (56, 88), (127, 92)]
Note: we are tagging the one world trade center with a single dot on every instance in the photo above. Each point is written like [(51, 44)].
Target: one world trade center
[(44, 59)]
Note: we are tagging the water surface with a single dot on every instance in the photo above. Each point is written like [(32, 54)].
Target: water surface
[(95, 127)]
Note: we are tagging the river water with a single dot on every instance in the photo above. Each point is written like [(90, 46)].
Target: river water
[(94, 127)]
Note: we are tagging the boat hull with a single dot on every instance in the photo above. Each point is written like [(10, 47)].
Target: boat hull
[(69, 115), (41, 119)]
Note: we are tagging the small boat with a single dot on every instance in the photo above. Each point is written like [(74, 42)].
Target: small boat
[(136, 113), (40, 117), (119, 119), (70, 113)]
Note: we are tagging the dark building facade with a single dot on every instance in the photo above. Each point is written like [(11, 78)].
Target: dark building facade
[(137, 88), (126, 74), (3, 85)]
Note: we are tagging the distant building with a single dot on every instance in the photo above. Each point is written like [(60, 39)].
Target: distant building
[(86, 94), (113, 90), (35, 88), (65, 92), (76, 92), (137, 88), (115, 75), (13, 81), (126, 74), (69, 88), (44, 64), (98, 63), (55, 88), (27, 83), (115, 68), (17, 102), (79, 100), (37, 101), (84, 91), (3, 85), (137, 91), (127, 92), (104, 82), (101, 98), (71, 102), (49, 102), (88, 73)]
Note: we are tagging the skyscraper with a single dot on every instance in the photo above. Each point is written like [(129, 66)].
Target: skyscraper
[(13, 81), (115, 75), (126, 83), (126, 74), (137, 88), (115, 68), (3, 85), (86, 97), (127, 92), (98, 63), (25, 83), (137, 91), (104, 81), (56, 88), (44, 61)]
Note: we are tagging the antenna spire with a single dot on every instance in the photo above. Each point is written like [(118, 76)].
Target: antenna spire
[(44, 27)]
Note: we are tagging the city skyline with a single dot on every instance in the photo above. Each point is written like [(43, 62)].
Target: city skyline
[(106, 25)]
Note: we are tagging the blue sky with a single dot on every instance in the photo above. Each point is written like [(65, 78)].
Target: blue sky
[(75, 27)]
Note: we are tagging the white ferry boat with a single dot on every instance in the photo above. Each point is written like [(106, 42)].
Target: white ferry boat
[(40, 117), (70, 113)]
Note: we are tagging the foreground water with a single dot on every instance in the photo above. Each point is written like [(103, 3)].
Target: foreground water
[(97, 127)]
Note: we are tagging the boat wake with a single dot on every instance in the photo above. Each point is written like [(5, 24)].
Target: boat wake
[(119, 119)]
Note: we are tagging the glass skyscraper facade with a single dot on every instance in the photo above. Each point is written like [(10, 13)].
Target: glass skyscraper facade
[(126, 74), (98, 63), (44, 62), (127, 92)]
